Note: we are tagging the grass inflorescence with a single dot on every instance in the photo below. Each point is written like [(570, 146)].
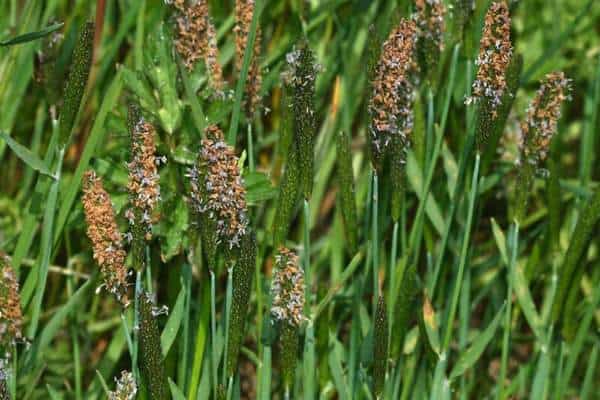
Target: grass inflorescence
[(362, 200)]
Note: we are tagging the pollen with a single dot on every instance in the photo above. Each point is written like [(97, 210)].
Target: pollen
[(495, 52), (11, 317), (218, 188), (197, 39), (244, 10), (105, 236), (143, 185), (394, 87), (288, 288), (542, 117)]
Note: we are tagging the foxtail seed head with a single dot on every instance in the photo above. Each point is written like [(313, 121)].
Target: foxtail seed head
[(542, 116), (143, 185), (197, 39), (75, 85), (218, 189), (391, 104), (126, 387), (431, 25), (244, 11), (300, 78), (380, 346), (11, 317), (288, 289), (495, 52), (105, 236), (150, 353)]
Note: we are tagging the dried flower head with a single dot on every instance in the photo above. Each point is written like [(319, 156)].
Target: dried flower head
[(126, 387), (105, 236), (11, 318), (393, 88), (244, 10), (495, 52), (143, 185), (218, 188), (542, 115), (288, 288), (197, 38), (429, 18)]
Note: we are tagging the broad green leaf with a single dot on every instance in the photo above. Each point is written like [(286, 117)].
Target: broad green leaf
[(470, 356), (26, 155)]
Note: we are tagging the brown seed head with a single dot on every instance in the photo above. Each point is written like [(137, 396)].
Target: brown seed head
[(393, 87), (430, 20), (495, 52), (542, 116), (143, 186), (197, 39), (244, 10), (105, 236), (288, 288), (218, 188), (11, 318)]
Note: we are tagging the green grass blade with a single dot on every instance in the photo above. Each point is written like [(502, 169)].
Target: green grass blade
[(470, 356), (30, 36), (26, 155)]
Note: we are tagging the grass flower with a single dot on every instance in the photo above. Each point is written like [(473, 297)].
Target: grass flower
[(126, 387), (11, 317), (150, 353), (380, 347), (431, 25), (218, 195), (461, 13), (536, 134), (104, 234), (143, 185), (244, 10), (299, 79), (197, 38), (391, 103), (287, 295), (243, 273), (542, 117), (77, 81), (495, 52)]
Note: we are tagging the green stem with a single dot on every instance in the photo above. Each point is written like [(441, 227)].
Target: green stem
[(213, 328), (506, 338), (463, 256), (251, 164), (375, 240), (392, 277)]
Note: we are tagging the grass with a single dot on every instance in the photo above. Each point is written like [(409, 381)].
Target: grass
[(432, 291)]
